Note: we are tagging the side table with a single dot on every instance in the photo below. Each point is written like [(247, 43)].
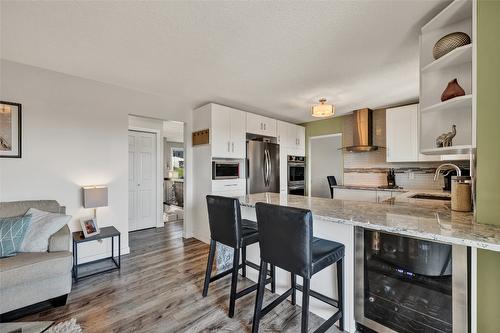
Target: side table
[(106, 232)]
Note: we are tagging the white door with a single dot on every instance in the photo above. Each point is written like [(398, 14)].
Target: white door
[(142, 180)]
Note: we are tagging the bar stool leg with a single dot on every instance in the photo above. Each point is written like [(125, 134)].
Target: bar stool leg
[(273, 281), (294, 288), (234, 281), (210, 263), (305, 306), (260, 296), (340, 288), (244, 261)]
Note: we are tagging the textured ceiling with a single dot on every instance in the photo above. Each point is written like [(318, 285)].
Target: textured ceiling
[(273, 58)]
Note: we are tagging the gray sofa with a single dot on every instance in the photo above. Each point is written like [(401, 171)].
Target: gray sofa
[(30, 278)]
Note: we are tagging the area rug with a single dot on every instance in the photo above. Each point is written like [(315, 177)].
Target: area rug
[(69, 326)]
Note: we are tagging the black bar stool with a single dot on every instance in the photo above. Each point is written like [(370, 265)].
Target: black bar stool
[(227, 227), (286, 241)]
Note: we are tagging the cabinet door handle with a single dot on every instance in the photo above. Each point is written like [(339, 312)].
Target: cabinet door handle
[(228, 145), (232, 144), (264, 126), (261, 126)]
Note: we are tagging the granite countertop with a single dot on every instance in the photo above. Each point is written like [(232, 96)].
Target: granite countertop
[(370, 188), (426, 219)]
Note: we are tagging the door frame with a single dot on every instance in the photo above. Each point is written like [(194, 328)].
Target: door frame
[(159, 171), (308, 160)]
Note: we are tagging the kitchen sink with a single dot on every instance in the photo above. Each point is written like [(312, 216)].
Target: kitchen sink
[(431, 196)]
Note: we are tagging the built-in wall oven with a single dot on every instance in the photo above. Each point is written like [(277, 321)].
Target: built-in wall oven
[(296, 175), (225, 169), (409, 285)]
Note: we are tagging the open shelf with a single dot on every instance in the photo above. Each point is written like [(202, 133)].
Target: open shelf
[(454, 103), (458, 56), (458, 10), (453, 150)]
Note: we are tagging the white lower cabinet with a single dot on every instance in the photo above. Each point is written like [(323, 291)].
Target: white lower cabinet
[(229, 187), (363, 195), (355, 195)]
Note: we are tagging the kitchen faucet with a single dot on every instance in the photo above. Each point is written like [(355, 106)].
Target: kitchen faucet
[(447, 165)]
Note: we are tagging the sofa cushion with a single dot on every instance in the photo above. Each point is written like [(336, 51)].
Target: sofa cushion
[(12, 232), (43, 226), (25, 267)]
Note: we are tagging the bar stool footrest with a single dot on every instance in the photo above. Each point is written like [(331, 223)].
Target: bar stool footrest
[(323, 298), (329, 322), (274, 303)]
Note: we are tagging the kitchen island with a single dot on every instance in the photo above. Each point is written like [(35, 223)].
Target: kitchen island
[(337, 219)]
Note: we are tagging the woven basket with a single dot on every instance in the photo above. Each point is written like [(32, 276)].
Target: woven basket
[(449, 43)]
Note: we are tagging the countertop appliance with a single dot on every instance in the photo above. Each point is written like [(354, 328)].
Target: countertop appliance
[(450, 173), (225, 169), (296, 169), (405, 284), (263, 167)]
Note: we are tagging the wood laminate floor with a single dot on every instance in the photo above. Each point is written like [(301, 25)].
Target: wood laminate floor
[(159, 290)]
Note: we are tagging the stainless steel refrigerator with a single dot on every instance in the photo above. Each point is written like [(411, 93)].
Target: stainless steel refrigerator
[(263, 167)]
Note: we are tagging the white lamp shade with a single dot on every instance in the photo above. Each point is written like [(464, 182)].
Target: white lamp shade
[(95, 196), (323, 109)]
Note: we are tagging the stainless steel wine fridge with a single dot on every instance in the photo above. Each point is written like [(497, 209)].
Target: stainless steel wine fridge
[(410, 285)]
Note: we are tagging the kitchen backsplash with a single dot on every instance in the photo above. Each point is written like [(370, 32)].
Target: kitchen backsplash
[(371, 168)]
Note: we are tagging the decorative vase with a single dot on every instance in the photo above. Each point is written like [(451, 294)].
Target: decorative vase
[(449, 42), (452, 90)]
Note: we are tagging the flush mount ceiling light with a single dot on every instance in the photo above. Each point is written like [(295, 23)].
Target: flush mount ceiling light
[(322, 109)]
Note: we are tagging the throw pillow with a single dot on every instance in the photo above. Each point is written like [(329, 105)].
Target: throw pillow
[(43, 226), (12, 232)]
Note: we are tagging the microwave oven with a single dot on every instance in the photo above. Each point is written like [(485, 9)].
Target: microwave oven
[(225, 169)]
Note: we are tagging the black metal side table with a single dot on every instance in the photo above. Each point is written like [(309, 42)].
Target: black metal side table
[(106, 232)]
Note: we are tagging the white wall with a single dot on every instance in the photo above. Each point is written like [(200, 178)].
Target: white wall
[(325, 159), (74, 134)]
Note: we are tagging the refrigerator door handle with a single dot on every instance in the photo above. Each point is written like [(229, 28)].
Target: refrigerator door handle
[(268, 167)]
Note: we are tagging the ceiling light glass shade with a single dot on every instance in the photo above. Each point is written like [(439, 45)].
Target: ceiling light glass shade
[(323, 109)]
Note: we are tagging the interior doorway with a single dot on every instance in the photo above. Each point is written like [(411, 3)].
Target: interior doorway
[(174, 175), (142, 180), (325, 159), (156, 172)]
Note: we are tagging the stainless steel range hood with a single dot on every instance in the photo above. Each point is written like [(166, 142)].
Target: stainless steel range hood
[(362, 132)]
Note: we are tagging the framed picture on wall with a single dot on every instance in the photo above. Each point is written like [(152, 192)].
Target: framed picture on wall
[(10, 130)]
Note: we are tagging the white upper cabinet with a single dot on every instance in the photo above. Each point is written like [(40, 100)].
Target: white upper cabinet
[(228, 132), (301, 140), (292, 136), (402, 134), (261, 125)]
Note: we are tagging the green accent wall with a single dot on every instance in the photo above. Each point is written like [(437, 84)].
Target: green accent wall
[(488, 159)]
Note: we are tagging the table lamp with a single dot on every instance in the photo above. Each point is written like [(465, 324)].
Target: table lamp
[(94, 197)]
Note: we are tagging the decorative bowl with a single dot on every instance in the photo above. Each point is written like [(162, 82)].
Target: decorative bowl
[(450, 42)]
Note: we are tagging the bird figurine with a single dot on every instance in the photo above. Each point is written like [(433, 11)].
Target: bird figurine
[(445, 139)]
